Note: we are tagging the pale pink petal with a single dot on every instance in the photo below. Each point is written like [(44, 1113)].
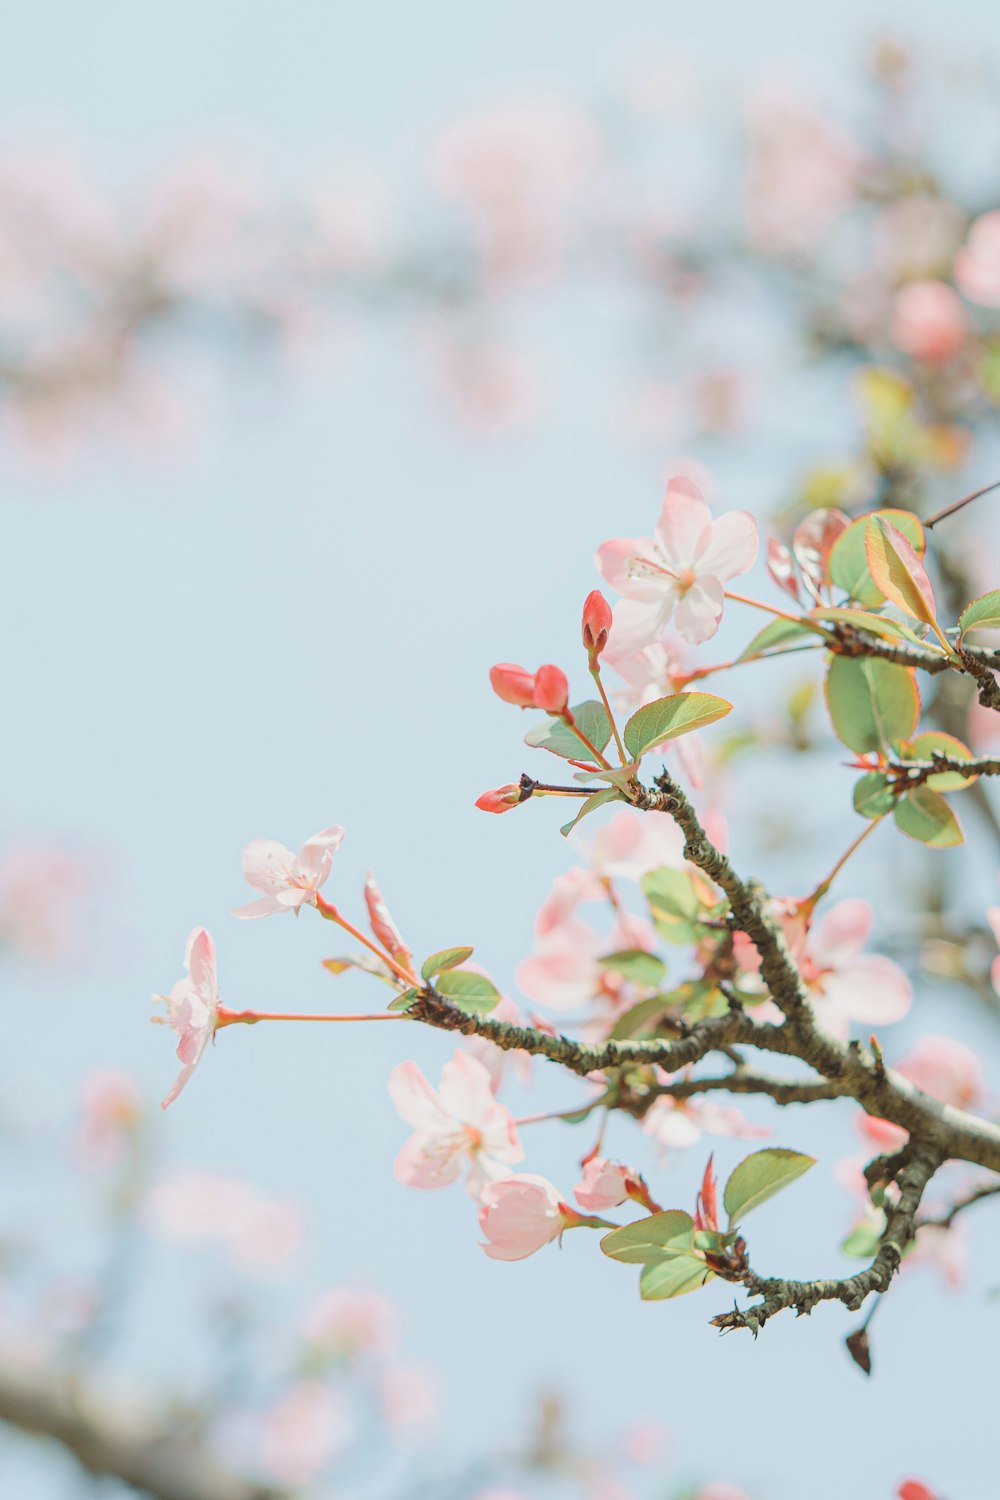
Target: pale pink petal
[(416, 1100), (267, 865), (612, 559), (182, 1078), (732, 546), (870, 989), (698, 613), (684, 522), (637, 622), (201, 964), (294, 896), (465, 1089), (427, 1164), (842, 933), (264, 906)]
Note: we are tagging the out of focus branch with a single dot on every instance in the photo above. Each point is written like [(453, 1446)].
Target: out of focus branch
[(162, 1459)]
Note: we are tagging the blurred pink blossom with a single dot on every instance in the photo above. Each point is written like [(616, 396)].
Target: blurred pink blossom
[(111, 1107), (460, 1123), (929, 322), (349, 1322), (259, 1232), (306, 1430), (977, 264)]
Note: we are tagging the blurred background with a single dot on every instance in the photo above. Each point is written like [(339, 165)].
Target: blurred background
[(332, 342)]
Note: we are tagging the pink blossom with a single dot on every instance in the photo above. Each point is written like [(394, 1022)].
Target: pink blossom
[(993, 917), (42, 901), (460, 1122), (565, 972), (977, 264), (720, 1492), (678, 1123), (258, 1231), (679, 571), (409, 1397), (627, 846), (349, 1322), (929, 322), (605, 1184), (307, 1428), (519, 1215), (844, 984), (288, 880), (802, 175), (943, 1250), (112, 1111), (192, 1006)]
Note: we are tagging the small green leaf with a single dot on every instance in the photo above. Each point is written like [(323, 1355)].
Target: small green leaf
[(672, 1278), (849, 568), (865, 619), (598, 799), (925, 816), (553, 735), (642, 1018), (473, 993), (673, 904), (873, 795), (864, 1238), (898, 571), (445, 958), (982, 614), (651, 1238), (924, 746), (760, 1176), (666, 718), (776, 634), (635, 964), (405, 1000), (873, 704)]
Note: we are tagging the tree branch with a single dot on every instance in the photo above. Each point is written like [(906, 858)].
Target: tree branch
[(777, 1295), (163, 1460)]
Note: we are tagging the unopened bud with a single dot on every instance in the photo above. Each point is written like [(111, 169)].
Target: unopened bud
[(500, 798), (596, 623), (551, 690), (513, 684)]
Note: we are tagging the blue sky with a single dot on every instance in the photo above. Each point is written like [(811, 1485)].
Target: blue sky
[(290, 624)]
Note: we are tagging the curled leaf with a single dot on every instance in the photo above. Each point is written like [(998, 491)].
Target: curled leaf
[(898, 571)]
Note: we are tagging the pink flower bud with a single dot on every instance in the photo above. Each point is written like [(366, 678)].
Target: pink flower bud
[(914, 1489), (605, 1184), (596, 623), (382, 924), (513, 684), (551, 690), (519, 1215), (500, 798)]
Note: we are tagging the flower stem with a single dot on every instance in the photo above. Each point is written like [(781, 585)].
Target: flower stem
[(595, 672), (574, 728), (333, 915), (780, 613), (825, 885), (226, 1017)]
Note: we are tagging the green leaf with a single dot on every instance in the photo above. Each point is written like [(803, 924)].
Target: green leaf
[(923, 747), (849, 568), (672, 1278), (635, 964), (864, 1239), (596, 800), (652, 1238), (673, 904), (898, 571), (925, 816), (473, 993), (642, 1018), (367, 962), (873, 704), (666, 718), (405, 1000), (864, 619), (553, 735), (873, 795), (760, 1176), (445, 958), (982, 614), (776, 634)]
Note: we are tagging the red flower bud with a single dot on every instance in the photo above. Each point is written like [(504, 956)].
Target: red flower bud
[(596, 623), (500, 799), (513, 684), (551, 690)]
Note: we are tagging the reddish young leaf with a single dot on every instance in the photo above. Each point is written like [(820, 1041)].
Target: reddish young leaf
[(898, 571)]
